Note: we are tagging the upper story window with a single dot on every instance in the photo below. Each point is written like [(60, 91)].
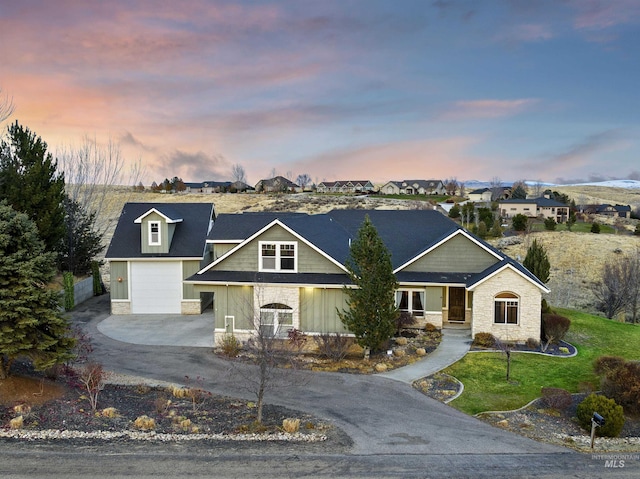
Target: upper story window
[(278, 256), (507, 306), (154, 233)]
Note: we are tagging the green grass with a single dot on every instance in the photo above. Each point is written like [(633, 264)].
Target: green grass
[(484, 374)]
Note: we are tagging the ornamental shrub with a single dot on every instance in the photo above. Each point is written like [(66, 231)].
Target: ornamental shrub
[(622, 384), (557, 398), (554, 327), (550, 224), (484, 340), (605, 364), (595, 228), (607, 408)]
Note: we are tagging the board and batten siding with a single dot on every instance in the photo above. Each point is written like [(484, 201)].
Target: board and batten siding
[(236, 301), (166, 234), (119, 273), (458, 254), (246, 258), (189, 268), (318, 310)]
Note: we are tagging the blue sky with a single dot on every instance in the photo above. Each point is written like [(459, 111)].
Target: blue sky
[(360, 89)]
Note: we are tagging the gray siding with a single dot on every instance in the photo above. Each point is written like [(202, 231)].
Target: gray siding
[(189, 268), (318, 310), (434, 298), (165, 237), (236, 301), (246, 259), (457, 255), (119, 289)]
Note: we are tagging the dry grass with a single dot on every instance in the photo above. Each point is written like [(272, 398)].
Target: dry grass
[(576, 258)]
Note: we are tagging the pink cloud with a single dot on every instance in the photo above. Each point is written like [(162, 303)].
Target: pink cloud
[(599, 14), (489, 108)]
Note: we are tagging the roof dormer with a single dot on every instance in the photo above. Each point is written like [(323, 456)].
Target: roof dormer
[(156, 230)]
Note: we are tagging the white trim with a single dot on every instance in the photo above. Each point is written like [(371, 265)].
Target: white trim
[(444, 240), (260, 232), (292, 285), (139, 219), (158, 225), (512, 268)]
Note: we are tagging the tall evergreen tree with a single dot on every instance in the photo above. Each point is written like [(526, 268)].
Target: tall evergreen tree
[(31, 322), (372, 311), (81, 243), (30, 183), (537, 261)]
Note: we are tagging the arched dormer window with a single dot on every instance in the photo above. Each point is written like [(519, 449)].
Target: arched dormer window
[(507, 308)]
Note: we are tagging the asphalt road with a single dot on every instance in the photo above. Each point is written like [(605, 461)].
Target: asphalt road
[(395, 430)]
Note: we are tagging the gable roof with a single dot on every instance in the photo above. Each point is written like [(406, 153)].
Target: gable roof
[(407, 234), (188, 238), (542, 202)]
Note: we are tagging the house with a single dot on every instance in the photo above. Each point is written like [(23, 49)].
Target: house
[(287, 269), (534, 208), (413, 187), (486, 194), (155, 246), (620, 211), (217, 187), (278, 184), (346, 186)]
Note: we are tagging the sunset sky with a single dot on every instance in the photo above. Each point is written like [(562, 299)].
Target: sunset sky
[(348, 89)]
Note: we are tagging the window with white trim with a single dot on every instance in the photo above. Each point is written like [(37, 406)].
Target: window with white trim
[(278, 256), (154, 233), (507, 308), (411, 301)]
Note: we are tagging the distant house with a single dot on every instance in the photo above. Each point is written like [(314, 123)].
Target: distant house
[(620, 211), (346, 186), (279, 184), (534, 208), (486, 194), (217, 187), (413, 187)]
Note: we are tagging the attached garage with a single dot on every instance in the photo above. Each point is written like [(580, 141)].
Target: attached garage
[(156, 287)]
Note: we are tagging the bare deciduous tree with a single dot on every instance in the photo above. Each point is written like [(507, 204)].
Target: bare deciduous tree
[(495, 185), (6, 106), (451, 186), (238, 173), (274, 364), (615, 289), (303, 180), (91, 172)]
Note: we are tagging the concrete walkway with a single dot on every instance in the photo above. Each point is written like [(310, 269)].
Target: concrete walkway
[(455, 344)]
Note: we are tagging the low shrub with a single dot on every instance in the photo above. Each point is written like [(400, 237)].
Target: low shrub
[(484, 340), (404, 320), (532, 343), (333, 346), (595, 228), (622, 384), (16, 422), (550, 224), (430, 328), (297, 339), (145, 423), (605, 364), (230, 346), (607, 408), (291, 425), (557, 398), (109, 412)]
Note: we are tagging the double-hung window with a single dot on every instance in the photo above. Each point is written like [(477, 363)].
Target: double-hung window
[(154, 233), (278, 256), (506, 310)]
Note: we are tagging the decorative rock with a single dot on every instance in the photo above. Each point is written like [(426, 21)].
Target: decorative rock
[(421, 352), (503, 423), (398, 353), (380, 367)]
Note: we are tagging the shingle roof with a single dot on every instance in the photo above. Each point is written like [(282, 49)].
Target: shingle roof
[(188, 238)]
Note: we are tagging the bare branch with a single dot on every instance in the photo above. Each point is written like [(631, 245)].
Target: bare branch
[(6, 106)]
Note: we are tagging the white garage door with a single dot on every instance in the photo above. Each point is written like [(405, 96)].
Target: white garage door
[(156, 287)]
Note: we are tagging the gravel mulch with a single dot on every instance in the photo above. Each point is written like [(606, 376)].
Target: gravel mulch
[(170, 414)]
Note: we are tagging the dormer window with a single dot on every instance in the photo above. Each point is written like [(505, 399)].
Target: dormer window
[(278, 256), (154, 233)]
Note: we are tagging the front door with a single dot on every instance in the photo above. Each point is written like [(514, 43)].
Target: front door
[(456, 304)]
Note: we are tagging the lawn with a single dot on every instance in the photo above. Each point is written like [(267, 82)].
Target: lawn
[(579, 227), (484, 374)]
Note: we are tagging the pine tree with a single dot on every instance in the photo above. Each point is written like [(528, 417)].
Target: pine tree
[(537, 262), (31, 322), (30, 183), (372, 312)]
